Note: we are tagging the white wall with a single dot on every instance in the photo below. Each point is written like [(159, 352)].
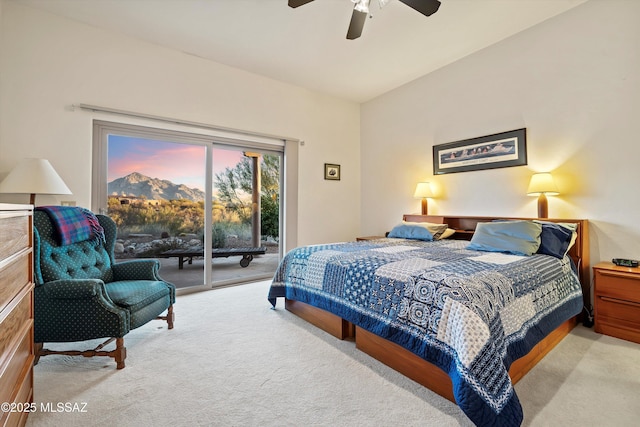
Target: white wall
[(48, 63), (573, 81)]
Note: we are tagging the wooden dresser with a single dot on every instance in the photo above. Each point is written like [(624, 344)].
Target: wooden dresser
[(617, 301), (16, 313)]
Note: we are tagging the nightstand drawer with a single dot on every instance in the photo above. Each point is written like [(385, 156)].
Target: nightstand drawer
[(626, 313), (619, 285)]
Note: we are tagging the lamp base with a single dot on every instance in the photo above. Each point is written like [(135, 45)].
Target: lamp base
[(424, 206), (543, 206)]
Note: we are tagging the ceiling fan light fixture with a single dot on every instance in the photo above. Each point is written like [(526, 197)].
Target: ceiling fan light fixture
[(361, 11), (361, 5)]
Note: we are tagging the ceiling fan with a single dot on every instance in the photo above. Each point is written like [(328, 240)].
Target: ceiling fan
[(361, 11)]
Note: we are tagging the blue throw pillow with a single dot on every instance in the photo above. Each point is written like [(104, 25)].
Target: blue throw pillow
[(415, 232), (513, 237), (555, 239)]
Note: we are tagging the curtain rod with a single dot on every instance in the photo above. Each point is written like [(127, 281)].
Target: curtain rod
[(179, 122)]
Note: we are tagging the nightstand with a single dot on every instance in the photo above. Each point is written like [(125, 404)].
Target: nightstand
[(365, 238), (617, 301)]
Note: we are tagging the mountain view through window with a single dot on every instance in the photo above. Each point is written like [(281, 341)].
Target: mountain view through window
[(156, 196)]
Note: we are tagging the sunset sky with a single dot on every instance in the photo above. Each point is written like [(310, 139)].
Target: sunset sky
[(178, 163)]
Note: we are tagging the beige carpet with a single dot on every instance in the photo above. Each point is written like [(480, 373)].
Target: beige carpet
[(231, 361)]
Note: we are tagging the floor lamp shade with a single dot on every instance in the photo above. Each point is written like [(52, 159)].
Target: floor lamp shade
[(541, 185), (34, 176)]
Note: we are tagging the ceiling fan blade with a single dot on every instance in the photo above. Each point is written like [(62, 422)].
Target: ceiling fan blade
[(425, 7), (296, 3), (356, 25)]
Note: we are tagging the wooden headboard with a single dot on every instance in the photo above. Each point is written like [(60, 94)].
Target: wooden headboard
[(466, 225)]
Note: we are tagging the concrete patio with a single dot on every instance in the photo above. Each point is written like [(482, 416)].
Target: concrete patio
[(225, 271)]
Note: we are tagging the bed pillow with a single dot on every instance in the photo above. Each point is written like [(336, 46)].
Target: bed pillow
[(556, 238), (436, 230), (411, 231), (447, 233), (513, 237)]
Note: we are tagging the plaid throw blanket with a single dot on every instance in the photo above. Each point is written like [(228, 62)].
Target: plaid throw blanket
[(74, 224)]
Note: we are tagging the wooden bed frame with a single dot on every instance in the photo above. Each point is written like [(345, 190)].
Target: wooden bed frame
[(418, 369)]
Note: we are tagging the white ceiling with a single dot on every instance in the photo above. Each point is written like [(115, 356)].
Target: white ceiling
[(306, 46)]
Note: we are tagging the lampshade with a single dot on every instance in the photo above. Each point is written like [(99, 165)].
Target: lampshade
[(34, 176), (542, 183), (423, 189)]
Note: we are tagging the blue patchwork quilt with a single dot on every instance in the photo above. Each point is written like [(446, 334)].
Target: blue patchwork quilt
[(470, 313)]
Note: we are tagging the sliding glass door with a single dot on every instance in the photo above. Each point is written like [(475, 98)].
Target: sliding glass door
[(245, 213), (173, 194)]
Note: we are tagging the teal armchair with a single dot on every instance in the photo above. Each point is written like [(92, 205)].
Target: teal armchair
[(81, 293)]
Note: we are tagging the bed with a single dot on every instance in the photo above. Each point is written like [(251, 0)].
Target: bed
[(466, 323)]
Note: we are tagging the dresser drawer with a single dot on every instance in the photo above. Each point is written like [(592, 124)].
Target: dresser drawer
[(13, 372), (14, 235), (13, 321), (618, 285), (13, 277), (24, 396)]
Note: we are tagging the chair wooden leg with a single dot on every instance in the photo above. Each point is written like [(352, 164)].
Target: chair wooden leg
[(37, 348), (120, 353), (170, 317)]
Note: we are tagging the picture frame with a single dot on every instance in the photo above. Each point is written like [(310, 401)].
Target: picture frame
[(499, 150), (332, 171)]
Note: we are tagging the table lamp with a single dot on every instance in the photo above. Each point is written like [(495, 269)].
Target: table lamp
[(423, 191), (34, 176)]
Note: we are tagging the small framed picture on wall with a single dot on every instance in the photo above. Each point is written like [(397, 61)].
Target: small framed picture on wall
[(332, 171)]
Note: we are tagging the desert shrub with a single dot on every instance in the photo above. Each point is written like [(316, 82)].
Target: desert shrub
[(218, 235), (175, 217)]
